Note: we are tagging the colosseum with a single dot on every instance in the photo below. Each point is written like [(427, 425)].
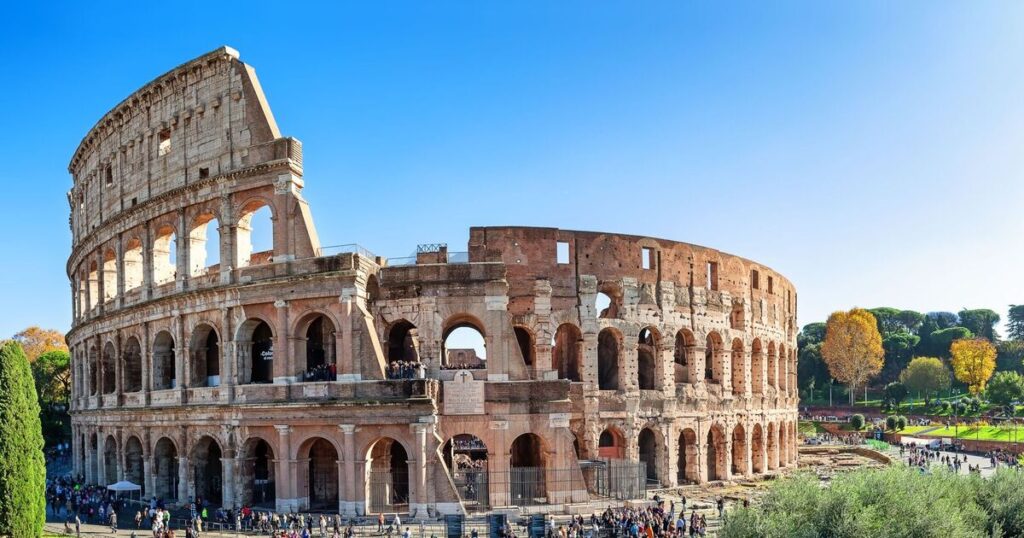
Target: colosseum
[(298, 376)]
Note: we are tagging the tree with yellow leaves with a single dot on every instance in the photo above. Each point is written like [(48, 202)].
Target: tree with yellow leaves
[(853, 348), (36, 341), (973, 360)]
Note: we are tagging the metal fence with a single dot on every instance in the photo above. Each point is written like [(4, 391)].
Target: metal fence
[(389, 492), (592, 480)]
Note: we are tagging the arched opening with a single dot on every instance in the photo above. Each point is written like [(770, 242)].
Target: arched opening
[(133, 470), (683, 356), (132, 264), (611, 444), (164, 262), (773, 448), (94, 285), (205, 351), (738, 368), (607, 360), (388, 480), (687, 468), (207, 471), (109, 275), (131, 365), (402, 343), (648, 445), (525, 340), (713, 358), (165, 461), (93, 371), (255, 235), (321, 361), (773, 366), (83, 299), (756, 367), (566, 352), (256, 346), (204, 245), (108, 373), (527, 471), (257, 474), (163, 361), (646, 351), (783, 373), (717, 455), (466, 458), (110, 463), (739, 451), (606, 302), (322, 477), (757, 449), (464, 347)]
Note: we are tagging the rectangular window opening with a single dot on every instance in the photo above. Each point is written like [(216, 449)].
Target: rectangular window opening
[(108, 175), (562, 252), (645, 257), (204, 173), (755, 279), (165, 143), (712, 275), (771, 287)]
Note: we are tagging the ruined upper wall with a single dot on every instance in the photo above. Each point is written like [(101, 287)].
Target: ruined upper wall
[(204, 118)]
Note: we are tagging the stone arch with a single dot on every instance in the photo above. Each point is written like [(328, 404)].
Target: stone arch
[(133, 457), (739, 451), (108, 373), (782, 376), (756, 367), (403, 341), (205, 349), (757, 449), (387, 468), (163, 255), (525, 339), (609, 346), (207, 469), (94, 285), (611, 444), (773, 447), (773, 366), (163, 361), (131, 264), (649, 445), (608, 300), (688, 458), (717, 455), (111, 465), (250, 215), (316, 346), (738, 368), (131, 365), (648, 342), (527, 469), (257, 473), (200, 261), (713, 363), (566, 350), (109, 275), (321, 475), (684, 350), (465, 455), (462, 322), (255, 346)]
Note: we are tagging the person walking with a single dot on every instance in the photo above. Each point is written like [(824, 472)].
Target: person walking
[(113, 522), (78, 525)]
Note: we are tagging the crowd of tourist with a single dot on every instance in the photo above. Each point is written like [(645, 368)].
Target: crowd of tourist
[(406, 370), (322, 372), (649, 522)]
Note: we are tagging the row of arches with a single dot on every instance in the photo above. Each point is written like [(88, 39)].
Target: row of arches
[(199, 248)]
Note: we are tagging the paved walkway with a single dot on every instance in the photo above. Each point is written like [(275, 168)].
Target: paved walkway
[(981, 461)]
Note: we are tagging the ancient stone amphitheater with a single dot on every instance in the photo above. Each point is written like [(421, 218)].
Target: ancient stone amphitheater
[(299, 376)]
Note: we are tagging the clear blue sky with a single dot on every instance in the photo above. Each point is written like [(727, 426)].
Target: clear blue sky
[(870, 151)]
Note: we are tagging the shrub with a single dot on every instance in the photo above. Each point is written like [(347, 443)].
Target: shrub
[(890, 422), (944, 407), (22, 468), (975, 404), (901, 422), (857, 421)]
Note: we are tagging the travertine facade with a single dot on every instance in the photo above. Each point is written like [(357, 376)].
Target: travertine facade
[(263, 378)]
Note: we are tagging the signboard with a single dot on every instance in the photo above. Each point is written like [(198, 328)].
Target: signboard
[(453, 525), (558, 420), (267, 354), (464, 395)]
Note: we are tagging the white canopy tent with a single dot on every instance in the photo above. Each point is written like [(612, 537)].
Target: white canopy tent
[(126, 487)]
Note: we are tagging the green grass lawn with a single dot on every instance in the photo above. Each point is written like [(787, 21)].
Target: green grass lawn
[(985, 433), (809, 428)]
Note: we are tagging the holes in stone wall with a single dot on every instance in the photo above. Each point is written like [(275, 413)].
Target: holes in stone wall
[(164, 143)]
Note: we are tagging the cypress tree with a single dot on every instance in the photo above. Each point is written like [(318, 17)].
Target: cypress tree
[(22, 466)]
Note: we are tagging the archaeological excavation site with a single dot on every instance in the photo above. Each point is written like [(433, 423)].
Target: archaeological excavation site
[(297, 376)]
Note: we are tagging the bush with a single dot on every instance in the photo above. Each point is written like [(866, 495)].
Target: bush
[(857, 421), (975, 404), (890, 422), (22, 468), (944, 407), (901, 423)]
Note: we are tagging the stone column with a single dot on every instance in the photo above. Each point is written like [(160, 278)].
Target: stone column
[(147, 264), (347, 489), (227, 354), (284, 367), (697, 364), (286, 497), (348, 369), (147, 475), (184, 479), (181, 253), (418, 498), (226, 232), (228, 491)]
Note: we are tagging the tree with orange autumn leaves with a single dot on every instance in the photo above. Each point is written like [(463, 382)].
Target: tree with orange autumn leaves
[(36, 341), (974, 360), (852, 349)]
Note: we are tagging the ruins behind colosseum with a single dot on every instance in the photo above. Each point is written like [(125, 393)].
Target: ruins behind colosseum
[(311, 377)]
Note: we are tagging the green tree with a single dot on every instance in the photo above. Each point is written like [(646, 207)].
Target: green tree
[(942, 339), (895, 393), (1015, 322), (22, 467), (981, 322), (926, 376), (52, 374), (1010, 356), (911, 320), (899, 348), (933, 321), (1004, 389), (811, 369)]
